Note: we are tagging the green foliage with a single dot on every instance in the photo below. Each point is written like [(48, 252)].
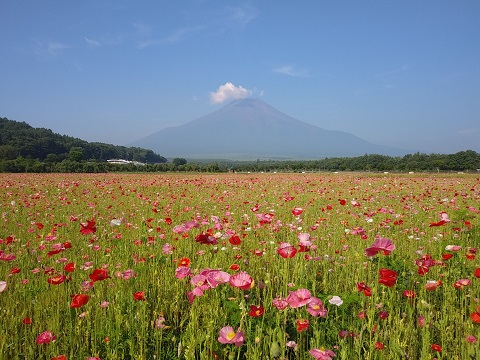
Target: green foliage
[(20, 140)]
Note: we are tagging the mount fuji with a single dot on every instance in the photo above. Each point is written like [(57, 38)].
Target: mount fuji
[(249, 129)]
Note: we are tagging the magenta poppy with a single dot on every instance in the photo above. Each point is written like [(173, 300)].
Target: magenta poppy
[(286, 250), (46, 337), (381, 244)]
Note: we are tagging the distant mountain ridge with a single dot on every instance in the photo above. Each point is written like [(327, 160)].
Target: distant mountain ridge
[(251, 128)]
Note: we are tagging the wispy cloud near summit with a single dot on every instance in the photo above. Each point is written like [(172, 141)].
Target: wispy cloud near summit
[(291, 71)]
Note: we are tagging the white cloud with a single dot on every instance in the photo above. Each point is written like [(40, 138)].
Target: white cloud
[(49, 49), (291, 71), (242, 15), (92, 43), (174, 37), (228, 91)]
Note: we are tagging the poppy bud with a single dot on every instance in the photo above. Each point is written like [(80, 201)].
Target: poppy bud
[(275, 350)]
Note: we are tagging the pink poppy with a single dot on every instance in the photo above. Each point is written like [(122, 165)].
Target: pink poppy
[(216, 277), (280, 303), (229, 336), (297, 211), (320, 354), (241, 280), (459, 284), (286, 250), (45, 338), (381, 244), (182, 272), (315, 308), (3, 286), (299, 298)]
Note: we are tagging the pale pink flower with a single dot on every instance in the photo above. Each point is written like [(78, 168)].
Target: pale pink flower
[(160, 322), (229, 336), (3, 285), (241, 280), (336, 300), (216, 277)]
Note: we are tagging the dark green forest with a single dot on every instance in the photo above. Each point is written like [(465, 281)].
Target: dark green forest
[(27, 149)]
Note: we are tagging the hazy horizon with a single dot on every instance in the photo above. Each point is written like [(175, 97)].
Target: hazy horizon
[(400, 74)]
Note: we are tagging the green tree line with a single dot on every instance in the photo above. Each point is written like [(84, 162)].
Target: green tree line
[(20, 140), (27, 149)]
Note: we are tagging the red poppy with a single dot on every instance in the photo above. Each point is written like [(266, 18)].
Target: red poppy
[(439, 223), (302, 324), (436, 347), (168, 221), (70, 267), (59, 357), (88, 228), (447, 256), (15, 270), (361, 287), (67, 245), (342, 201), (27, 321), (235, 240), (139, 296), (256, 311), (379, 346), (475, 317), (383, 314), (57, 279), (234, 267), (477, 273), (99, 274), (79, 300), (387, 277)]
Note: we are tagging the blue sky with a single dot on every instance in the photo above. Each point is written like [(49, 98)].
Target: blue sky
[(402, 73)]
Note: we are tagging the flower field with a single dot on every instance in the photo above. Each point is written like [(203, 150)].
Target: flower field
[(239, 266)]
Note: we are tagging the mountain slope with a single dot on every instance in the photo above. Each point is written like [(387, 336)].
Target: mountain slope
[(252, 128)]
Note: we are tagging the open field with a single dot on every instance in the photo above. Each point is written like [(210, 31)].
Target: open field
[(239, 266)]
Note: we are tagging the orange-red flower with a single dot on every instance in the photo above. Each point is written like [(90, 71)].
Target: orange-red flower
[(79, 300), (387, 277), (70, 267), (99, 274), (185, 261), (139, 296), (436, 347), (302, 324), (235, 240)]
